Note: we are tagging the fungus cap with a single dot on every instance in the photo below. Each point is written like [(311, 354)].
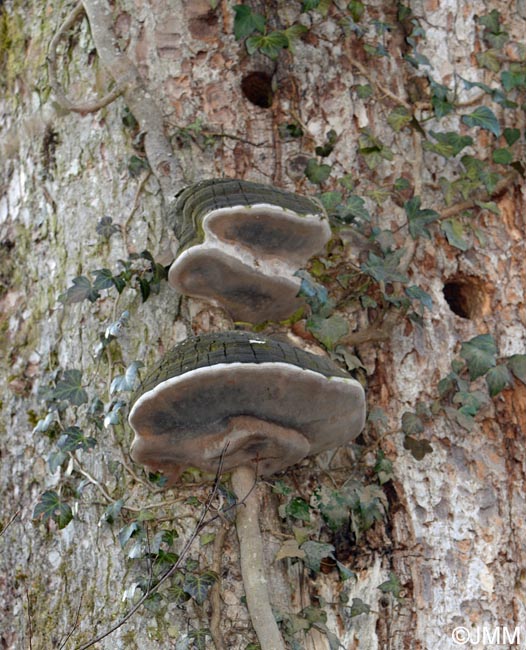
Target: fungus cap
[(242, 399), (246, 237)]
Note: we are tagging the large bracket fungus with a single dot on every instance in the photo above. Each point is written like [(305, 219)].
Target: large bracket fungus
[(248, 404), (240, 244)]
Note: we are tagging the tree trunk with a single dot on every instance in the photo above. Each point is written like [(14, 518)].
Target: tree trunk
[(449, 550)]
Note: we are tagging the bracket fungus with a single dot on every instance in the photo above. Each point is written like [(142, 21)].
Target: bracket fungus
[(240, 244), (251, 405)]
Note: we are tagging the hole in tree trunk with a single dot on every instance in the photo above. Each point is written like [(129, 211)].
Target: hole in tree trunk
[(467, 297), (257, 88)]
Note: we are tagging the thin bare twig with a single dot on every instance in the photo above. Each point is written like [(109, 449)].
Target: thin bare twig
[(9, 522), (83, 108), (368, 75), (201, 523), (74, 626)]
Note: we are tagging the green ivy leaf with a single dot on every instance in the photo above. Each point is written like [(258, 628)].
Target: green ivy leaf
[(356, 9), (454, 231), (364, 91), (103, 279), (471, 402), (480, 355), (448, 144), (383, 468), (372, 149), (418, 219), (489, 60), (502, 156), (134, 529), (317, 173), (127, 381), (106, 228), (353, 208), (51, 506), (293, 34), (418, 448), (412, 424), (359, 607), (511, 136), (268, 44), (298, 508), (399, 118), (517, 365), (513, 79), (498, 379), (385, 269), (245, 22), (483, 117), (391, 586), (82, 289), (69, 388), (74, 438), (198, 585), (416, 293), (137, 165), (334, 508), (328, 330), (315, 552)]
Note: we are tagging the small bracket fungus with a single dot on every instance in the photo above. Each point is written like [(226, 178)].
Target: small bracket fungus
[(258, 406), (240, 244)]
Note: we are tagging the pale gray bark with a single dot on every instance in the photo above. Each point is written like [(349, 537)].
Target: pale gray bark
[(455, 532)]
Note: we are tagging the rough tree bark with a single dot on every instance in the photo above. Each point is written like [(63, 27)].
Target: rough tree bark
[(454, 535)]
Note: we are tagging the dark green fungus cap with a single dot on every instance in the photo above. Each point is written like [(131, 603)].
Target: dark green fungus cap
[(238, 398), (240, 244)]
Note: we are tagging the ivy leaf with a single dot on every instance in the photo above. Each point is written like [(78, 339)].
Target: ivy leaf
[(511, 136), (483, 117), (480, 354), (454, 231), (416, 293), (315, 552), (383, 468), (315, 294), (127, 381), (385, 269), (490, 60), (364, 91), (502, 156), (103, 279), (418, 448), (136, 166), (391, 586), (498, 379), (513, 79), (106, 228), (418, 219), (198, 585), (359, 607), (134, 529), (51, 506), (299, 509), (82, 289), (412, 424), (74, 438), (328, 330), (334, 508), (268, 44), (448, 144), (399, 118), (69, 388), (293, 34), (353, 208), (245, 22), (317, 173), (517, 365)]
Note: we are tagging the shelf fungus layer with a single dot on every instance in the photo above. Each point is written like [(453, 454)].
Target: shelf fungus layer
[(241, 399), (249, 238)]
